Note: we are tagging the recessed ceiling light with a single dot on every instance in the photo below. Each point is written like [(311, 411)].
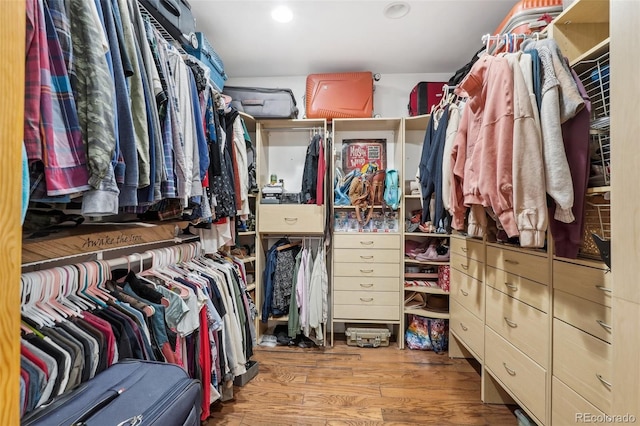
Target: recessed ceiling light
[(282, 14), (396, 9)]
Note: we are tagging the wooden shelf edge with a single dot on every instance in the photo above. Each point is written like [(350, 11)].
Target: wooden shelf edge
[(99, 238), (426, 313), (246, 233), (350, 207), (592, 53), (425, 262), (598, 190), (426, 234), (424, 289)]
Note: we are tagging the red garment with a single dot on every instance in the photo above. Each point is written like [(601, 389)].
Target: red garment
[(168, 353), (105, 328), (236, 177), (25, 377), (37, 361), (204, 357), (322, 165)]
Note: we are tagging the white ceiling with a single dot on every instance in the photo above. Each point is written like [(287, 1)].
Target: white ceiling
[(437, 36)]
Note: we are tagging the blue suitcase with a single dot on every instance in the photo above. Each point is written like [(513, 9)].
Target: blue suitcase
[(131, 392), (205, 53)]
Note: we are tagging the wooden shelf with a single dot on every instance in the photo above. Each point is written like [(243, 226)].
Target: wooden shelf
[(424, 262), (366, 124), (426, 234), (593, 53), (424, 289), (284, 318), (426, 313), (580, 27), (353, 207), (598, 190), (249, 259), (246, 233), (420, 275), (364, 233), (413, 196), (93, 238), (417, 123)]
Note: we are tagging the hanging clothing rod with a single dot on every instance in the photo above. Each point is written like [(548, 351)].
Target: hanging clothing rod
[(498, 37), (319, 129)]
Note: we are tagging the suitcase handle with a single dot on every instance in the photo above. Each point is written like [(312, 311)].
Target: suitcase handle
[(172, 7), (254, 102), (93, 409)]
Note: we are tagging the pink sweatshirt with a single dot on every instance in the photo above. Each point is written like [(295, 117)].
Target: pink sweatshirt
[(483, 149)]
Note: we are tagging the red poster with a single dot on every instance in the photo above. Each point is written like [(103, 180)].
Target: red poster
[(358, 152)]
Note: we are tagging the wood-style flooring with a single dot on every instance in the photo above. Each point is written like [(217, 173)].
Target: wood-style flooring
[(347, 385)]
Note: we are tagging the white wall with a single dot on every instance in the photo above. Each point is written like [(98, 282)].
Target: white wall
[(390, 98)]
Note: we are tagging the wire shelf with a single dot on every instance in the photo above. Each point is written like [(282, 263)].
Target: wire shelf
[(597, 221), (594, 74), (160, 29)]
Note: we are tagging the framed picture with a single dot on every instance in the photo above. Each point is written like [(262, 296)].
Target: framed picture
[(358, 152)]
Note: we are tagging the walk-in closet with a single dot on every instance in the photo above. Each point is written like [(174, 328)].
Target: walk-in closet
[(342, 212)]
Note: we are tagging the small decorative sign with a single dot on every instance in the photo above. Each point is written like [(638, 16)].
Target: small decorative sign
[(358, 152)]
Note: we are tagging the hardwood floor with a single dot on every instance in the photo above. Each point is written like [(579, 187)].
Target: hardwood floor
[(347, 385)]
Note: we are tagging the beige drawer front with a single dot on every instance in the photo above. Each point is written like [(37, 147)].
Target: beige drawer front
[(467, 327), (367, 269), (468, 266), (519, 373), (366, 283), (569, 408), (530, 292), (362, 312), (591, 317), (364, 241), (467, 247), (291, 218), (523, 326), (366, 256), (579, 359), (367, 298), (589, 283), (527, 265), (467, 291)]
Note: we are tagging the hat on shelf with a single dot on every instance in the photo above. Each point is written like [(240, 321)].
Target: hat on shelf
[(438, 303)]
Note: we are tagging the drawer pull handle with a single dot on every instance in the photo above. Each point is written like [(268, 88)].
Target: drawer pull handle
[(366, 271), (510, 371), (464, 249), (463, 327), (367, 285), (603, 288), (465, 267), (513, 262), (512, 287), (510, 323), (366, 243), (291, 219), (366, 257), (464, 293), (366, 299), (604, 382), (604, 324)]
